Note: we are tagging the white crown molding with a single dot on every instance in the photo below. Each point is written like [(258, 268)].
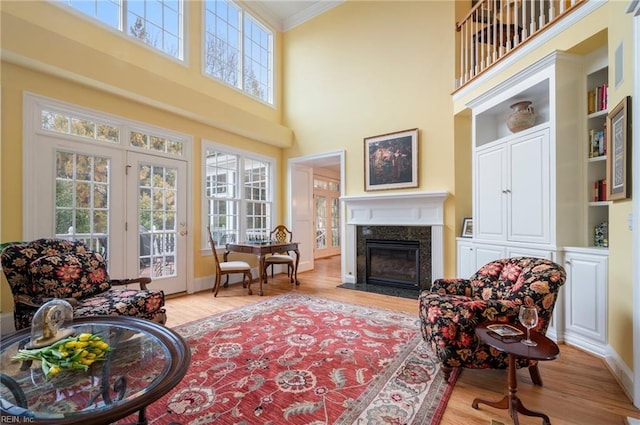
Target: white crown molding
[(285, 23), (317, 8)]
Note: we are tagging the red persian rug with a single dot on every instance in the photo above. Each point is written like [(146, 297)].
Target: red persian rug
[(306, 360)]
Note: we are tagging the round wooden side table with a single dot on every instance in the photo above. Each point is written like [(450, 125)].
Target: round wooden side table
[(545, 350)]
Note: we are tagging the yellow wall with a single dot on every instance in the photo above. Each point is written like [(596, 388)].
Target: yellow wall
[(43, 35), (620, 307), (50, 51), (16, 80), (370, 68)]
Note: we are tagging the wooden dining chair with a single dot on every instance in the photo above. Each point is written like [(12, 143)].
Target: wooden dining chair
[(228, 267), (282, 235)]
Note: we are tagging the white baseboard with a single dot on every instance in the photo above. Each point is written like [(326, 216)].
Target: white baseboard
[(620, 371)]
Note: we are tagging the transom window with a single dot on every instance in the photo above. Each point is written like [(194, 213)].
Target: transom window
[(238, 49), (158, 23), (76, 125), (238, 195)]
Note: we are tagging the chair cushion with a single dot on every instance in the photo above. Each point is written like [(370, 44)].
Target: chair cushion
[(234, 265), (122, 302), (69, 275), (279, 258)]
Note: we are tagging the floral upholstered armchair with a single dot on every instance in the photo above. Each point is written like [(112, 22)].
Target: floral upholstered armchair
[(452, 308), (45, 269)]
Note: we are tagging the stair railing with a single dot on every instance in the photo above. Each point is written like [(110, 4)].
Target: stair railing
[(494, 28)]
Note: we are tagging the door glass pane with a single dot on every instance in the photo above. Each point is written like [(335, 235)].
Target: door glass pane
[(82, 199), (321, 222), (157, 193), (335, 222)]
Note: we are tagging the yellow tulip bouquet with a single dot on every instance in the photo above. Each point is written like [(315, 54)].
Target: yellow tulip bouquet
[(75, 352)]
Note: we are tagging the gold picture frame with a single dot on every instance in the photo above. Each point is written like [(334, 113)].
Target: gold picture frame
[(618, 158), (391, 160)]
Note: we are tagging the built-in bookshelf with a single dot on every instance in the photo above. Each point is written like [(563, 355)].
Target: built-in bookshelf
[(597, 104)]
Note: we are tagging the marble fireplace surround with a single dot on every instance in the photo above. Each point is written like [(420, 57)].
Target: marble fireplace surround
[(390, 209)]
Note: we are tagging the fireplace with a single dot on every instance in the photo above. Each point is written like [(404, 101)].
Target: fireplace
[(418, 236), (393, 263), (409, 216)]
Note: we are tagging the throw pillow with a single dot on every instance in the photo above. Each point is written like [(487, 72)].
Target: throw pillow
[(69, 275)]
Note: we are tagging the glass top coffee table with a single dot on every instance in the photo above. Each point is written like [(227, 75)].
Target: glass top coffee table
[(146, 362)]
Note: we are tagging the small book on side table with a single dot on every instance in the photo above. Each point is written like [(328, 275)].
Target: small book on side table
[(504, 330)]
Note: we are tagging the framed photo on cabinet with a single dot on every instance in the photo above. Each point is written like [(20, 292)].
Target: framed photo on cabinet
[(467, 228), (618, 158), (391, 160)]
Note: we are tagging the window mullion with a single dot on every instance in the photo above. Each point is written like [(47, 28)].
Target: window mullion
[(124, 6), (241, 37)]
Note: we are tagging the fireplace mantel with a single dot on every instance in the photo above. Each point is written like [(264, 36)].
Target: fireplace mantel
[(395, 209)]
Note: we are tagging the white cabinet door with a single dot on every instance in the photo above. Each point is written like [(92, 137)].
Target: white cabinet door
[(490, 217), (466, 259), (528, 189), (488, 253), (586, 301), (512, 190)]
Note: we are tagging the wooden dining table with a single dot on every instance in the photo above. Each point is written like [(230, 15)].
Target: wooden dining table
[(260, 250)]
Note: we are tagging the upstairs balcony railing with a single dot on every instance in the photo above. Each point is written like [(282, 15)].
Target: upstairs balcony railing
[(494, 28)]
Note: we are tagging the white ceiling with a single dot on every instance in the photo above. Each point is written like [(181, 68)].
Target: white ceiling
[(284, 15)]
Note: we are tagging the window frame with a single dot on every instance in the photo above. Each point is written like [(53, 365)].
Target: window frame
[(122, 29), (242, 155), (240, 85)]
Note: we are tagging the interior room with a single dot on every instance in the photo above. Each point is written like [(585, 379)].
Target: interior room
[(465, 132)]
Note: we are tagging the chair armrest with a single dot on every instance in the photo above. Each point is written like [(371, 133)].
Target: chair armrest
[(453, 286), (143, 281), (37, 302)]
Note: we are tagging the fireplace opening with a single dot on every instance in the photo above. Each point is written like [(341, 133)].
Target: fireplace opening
[(393, 263)]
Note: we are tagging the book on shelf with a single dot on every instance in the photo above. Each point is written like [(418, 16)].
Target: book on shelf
[(598, 99), (600, 190), (597, 143)]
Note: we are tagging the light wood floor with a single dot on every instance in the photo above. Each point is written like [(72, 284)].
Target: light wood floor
[(578, 388)]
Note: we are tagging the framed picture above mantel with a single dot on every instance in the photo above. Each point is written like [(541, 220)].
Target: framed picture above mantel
[(391, 160), (618, 155)]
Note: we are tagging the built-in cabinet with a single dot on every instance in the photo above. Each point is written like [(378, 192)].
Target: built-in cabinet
[(586, 299), (533, 190)]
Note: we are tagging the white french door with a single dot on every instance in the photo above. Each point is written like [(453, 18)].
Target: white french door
[(156, 220), (326, 195), (89, 177)]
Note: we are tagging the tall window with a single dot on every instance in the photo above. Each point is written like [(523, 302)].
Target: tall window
[(238, 49), (238, 195), (158, 23)]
